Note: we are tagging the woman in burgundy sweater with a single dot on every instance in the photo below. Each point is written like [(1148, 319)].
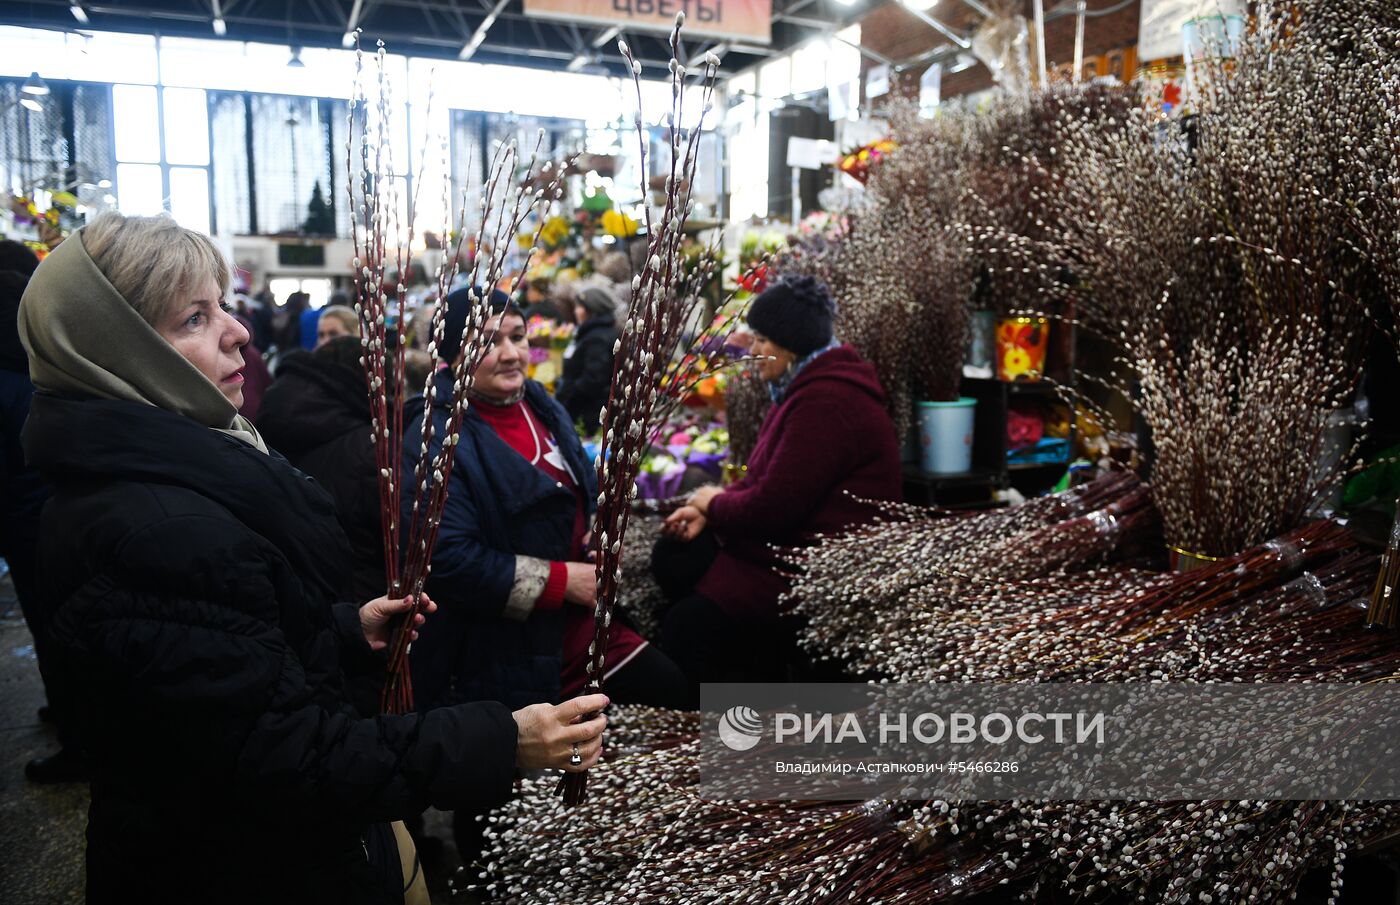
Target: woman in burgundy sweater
[(827, 443)]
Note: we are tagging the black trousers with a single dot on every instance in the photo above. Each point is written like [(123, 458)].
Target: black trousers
[(705, 642), (23, 575)]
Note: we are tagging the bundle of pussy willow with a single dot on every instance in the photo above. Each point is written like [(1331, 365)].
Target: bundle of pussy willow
[(1372, 166), (902, 278), (1217, 253), (1290, 610), (904, 266), (382, 234)]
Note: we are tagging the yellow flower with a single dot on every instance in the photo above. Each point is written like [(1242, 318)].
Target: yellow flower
[(619, 225), (555, 231)]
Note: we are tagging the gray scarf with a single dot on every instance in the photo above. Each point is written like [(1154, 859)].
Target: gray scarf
[(84, 339)]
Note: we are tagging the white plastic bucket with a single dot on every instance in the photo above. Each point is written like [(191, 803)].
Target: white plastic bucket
[(945, 435)]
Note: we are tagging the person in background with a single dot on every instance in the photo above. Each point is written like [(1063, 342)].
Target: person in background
[(317, 414), (256, 376), (563, 295), (825, 446), (286, 323), (194, 578), (420, 326), (307, 323), (417, 368), (24, 494), (258, 313), (537, 301), (588, 361), (511, 566), (336, 320), (616, 268)]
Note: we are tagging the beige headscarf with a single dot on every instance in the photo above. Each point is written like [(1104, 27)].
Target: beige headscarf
[(84, 339)]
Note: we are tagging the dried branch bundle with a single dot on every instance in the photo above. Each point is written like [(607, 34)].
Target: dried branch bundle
[(746, 405), (665, 303), (382, 243), (905, 267), (1284, 611), (901, 276), (1214, 259)]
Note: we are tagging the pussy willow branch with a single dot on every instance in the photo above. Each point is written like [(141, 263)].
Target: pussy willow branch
[(649, 338), (382, 256)]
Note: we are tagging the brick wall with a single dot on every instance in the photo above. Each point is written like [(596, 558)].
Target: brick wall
[(894, 32)]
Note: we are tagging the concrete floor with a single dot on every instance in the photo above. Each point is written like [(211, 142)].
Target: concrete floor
[(42, 827)]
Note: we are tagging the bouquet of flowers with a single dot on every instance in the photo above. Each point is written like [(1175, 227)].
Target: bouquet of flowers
[(858, 162)]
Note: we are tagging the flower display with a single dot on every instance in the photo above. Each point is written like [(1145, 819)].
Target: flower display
[(857, 163), (544, 333), (619, 225), (554, 232)]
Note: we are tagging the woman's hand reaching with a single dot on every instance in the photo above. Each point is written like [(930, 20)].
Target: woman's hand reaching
[(376, 618), (702, 496), (685, 524), (550, 734)]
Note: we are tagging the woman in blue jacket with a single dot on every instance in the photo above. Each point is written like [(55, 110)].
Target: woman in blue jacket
[(510, 569)]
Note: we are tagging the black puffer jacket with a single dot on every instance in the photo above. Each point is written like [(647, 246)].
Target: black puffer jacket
[(196, 625), (588, 367), (317, 415)]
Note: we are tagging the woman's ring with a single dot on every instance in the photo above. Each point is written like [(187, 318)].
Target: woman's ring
[(575, 759)]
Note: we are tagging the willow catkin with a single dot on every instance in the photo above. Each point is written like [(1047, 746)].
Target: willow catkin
[(1218, 259), (383, 252), (1282, 611)]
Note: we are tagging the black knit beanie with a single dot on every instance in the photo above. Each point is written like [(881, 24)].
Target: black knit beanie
[(795, 313), (459, 306)]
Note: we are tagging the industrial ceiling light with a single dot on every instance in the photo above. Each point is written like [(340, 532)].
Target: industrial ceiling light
[(220, 27), (963, 61), (352, 25), (30, 103), (35, 85), (295, 62), (607, 36), (922, 6), (577, 63), (78, 12), (477, 37), (847, 2)]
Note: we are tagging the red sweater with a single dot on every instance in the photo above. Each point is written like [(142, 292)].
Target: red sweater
[(830, 440)]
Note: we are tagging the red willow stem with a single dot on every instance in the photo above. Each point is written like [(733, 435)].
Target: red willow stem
[(408, 549), (641, 357)]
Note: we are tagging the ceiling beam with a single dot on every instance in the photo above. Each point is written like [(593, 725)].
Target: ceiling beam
[(936, 25), (482, 28), (259, 23)]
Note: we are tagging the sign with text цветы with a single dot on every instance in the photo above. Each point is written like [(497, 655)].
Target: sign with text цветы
[(746, 20)]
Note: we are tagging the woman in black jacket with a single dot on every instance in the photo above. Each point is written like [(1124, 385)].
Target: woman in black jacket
[(588, 362), (194, 577), (317, 415)]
